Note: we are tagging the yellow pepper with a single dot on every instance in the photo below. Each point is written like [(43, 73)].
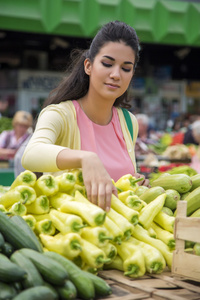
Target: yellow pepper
[(46, 185), (66, 223), (68, 245), (130, 214), (133, 259), (90, 213), (142, 235), (114, 230), (24, 178), (66, 181), (128, 182), (165, 221), (79, 176), (123, 195), (18, 209), (80, 188), (92, 255), (164, 235), (148, 213), (58, 199), (22, 193), (30, 220), (122, 222), (39, 206), (45, 226), (98, 235), (110, 251), (154, 260)]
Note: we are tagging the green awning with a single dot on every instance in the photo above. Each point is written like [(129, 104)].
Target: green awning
[(156, 21)]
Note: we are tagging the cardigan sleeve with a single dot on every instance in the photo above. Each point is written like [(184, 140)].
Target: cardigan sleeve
[(56, 130)]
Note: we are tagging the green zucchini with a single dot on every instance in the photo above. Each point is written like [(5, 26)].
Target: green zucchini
[(51, 270), (195, 182), (2, 241), (15, 235), (193, 201), (83, 284), (8, 249), (182, 183), (7, 291), (171, 199), (33, 277), (102, 288), (152, 193), (67, 291), (9, 271), (36, 293), (19, 221)]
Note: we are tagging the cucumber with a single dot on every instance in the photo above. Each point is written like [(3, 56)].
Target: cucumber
[(182, 183), (2, 241), (33, 277), (7, 291), (102, 288), (152, 193), (83, 284), (15, 235), (195, 182), (67, 291), (36, 293), (51, 270), (171, 199), (9, 271), (7, 249), (193, 201), (19, 221)]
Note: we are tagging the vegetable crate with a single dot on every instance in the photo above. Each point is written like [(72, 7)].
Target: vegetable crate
[(186, 229)]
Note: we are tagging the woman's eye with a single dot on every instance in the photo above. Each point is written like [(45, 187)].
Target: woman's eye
[(106, 65), (126, 70)]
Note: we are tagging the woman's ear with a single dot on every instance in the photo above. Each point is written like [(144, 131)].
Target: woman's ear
[(87, 66)]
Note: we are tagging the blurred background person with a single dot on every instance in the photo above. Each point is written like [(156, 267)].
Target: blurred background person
[(11, 140), (3, 106)]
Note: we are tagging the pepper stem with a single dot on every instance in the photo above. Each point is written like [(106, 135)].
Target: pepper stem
[(132, 270), (76, 226), (75, 245), (156, 267), (99, 220), (103, 237), (100, 259), (133, 181)]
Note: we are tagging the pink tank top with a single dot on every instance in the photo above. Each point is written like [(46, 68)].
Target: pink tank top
[(107, 141)]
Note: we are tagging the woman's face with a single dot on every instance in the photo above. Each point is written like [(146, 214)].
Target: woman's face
[(111, 71)]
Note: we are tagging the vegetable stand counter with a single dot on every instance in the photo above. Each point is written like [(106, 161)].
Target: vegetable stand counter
[(182, 283)]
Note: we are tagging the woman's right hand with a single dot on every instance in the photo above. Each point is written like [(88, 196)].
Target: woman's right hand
[(97, 181)]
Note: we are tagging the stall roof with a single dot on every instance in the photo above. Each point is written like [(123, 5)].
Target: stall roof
[(156, 21)]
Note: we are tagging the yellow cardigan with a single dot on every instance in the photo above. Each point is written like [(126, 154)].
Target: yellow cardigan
[(50, 137)]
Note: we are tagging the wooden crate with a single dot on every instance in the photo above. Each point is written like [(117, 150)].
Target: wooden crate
[(164, 286), (186, 229)]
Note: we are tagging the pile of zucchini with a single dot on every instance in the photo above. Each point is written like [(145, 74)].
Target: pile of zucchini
[(26, 272)]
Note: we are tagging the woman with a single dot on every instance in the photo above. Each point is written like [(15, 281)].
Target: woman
[(11, 140), (82, 124)]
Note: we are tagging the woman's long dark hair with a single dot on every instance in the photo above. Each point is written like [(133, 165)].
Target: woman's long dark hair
[(76, 84)]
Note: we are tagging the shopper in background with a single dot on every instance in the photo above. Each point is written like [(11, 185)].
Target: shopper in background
[(192, 134), (11, 140), (82, 124), (3, 106)]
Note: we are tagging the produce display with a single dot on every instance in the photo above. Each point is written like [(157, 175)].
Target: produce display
[(53, 241)]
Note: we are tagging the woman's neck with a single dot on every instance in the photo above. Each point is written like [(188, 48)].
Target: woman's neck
[(98, 112)]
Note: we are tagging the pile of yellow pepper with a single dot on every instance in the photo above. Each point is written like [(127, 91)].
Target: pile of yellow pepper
[(134, 237)]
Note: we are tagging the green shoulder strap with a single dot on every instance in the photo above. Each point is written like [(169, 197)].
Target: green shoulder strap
[(128, 121)]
